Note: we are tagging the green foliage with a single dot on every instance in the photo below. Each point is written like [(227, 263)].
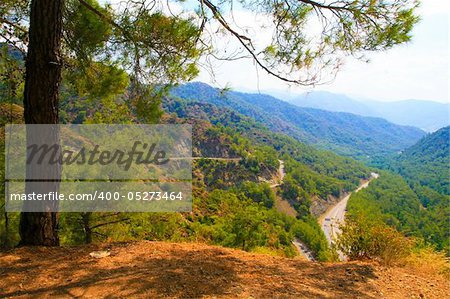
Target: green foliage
[(161, 48), (9, 227), (85, 33), (9, 222), (427, 162), (364, 238), (424, 166), (245, 229), (308, 230), (96, 81), (311, 183), (237, 222), (93, 93), (11, 75), (146, 101), (14, 16), (114, 59), (346, 134), (260, 193), (232, 219), (390, 199)]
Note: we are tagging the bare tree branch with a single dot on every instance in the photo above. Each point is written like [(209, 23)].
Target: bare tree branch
[(13, 44), (242, 40), (13, 25)]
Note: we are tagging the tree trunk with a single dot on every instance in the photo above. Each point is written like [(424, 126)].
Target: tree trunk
[(6, 237), (41, 96), (86, 218)]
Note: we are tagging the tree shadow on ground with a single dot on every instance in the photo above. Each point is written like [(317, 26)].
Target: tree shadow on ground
[(172, 271)]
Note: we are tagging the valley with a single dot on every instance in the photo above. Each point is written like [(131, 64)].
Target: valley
[(125, 175), (276, 199)]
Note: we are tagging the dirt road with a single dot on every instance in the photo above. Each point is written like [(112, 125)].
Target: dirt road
[(281, 174)]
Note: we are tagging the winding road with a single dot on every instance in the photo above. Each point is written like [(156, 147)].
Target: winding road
[(329, 221), (335, 215)]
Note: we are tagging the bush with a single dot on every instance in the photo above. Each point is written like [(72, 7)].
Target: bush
[(362, 238), (426, 260)]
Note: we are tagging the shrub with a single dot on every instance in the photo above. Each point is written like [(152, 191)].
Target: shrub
[(362, 238), (425, 259)]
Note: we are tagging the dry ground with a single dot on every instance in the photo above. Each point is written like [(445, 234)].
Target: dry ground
[(173, 270)]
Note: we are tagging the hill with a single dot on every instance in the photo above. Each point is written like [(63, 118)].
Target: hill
[(331, 102), (427, 162), (180, 270), (319, 174), (416, 201), (236, 186), (426, 115), (344, 133)]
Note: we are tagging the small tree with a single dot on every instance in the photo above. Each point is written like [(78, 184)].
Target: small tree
[(362, 238)]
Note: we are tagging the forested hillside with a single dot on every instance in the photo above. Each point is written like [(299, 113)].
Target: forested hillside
[(343, 133), (427, 162), (390, 199), (336, 174), (417, 200), (233, 200)]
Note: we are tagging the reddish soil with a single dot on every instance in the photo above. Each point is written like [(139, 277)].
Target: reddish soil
[(172, 270)]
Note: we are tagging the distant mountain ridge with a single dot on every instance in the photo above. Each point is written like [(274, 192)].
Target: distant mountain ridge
[(344, 133), (427, 115)]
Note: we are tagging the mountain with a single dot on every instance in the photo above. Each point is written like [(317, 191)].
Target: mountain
[(416, 200), (426, 115), (344, 133), (312, 181), (427, 161), (324, 176), (332, 102)]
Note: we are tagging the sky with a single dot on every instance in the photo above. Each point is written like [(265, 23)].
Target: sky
[(416, 70)]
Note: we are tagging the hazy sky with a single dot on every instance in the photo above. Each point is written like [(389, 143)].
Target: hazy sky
[(417, 70)]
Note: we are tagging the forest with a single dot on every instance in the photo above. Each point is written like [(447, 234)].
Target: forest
[(311, 175), (90, 62), (363, 138), (229, 199), (415, 211)]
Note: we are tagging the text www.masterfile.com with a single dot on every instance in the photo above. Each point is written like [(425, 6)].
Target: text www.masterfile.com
[(98, 195)]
